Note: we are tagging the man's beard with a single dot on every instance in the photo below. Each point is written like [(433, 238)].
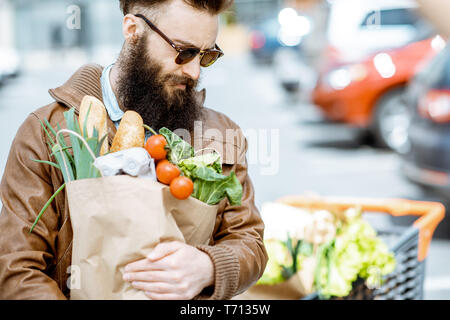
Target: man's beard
[(141, 88)]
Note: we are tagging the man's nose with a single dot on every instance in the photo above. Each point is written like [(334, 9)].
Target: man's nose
[(192, 69)]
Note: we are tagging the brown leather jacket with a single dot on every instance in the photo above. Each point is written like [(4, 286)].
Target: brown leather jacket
[(35, 265)]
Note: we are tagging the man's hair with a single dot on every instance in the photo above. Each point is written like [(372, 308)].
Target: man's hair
[(212, 6)]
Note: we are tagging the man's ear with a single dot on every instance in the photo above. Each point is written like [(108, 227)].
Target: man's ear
[(130, 27)]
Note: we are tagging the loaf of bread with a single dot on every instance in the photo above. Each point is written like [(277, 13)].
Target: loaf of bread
[(131, 133), (97, 118)]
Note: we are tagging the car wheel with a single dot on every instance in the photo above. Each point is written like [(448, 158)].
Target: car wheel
[(391, 121)]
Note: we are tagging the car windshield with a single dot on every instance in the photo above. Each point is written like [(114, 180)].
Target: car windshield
[(436, 74), (399, 17), (391, 17), (443, 79)]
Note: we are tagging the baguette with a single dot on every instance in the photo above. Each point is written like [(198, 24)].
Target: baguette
[(96, 119), (131, 133)]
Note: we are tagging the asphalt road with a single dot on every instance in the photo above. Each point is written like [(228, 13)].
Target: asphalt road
[(291, 149)]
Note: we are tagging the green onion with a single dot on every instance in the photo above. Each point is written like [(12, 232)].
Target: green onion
[(46, 206)]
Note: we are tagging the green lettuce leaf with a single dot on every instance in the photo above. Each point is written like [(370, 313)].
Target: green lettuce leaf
[(211, 187), (178, 148), (357, 252), (211, 160)]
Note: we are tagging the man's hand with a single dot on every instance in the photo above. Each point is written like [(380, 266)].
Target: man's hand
[(172, 271)]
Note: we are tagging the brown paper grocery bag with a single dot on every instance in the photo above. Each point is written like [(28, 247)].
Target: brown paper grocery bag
[(298, 286), (118, 220)]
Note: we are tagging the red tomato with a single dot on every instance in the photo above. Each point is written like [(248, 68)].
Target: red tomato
[(181, 187), (166, 171), (155, 146)]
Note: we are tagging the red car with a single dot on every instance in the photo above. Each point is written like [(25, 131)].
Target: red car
[(366, 93)]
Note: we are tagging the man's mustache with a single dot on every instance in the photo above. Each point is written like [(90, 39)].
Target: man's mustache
[(176, 80)]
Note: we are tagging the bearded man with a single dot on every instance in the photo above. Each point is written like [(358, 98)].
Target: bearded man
[(156, 74)]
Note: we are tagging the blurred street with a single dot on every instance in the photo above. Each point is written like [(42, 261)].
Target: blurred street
[(312, 156)]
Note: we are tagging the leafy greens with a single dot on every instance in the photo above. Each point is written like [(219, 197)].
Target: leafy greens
[(178, 148), (210, 185), (356, 252)]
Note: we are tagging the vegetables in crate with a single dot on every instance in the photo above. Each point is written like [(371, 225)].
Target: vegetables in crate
[(278, 257), (356, 252), (344, 248)]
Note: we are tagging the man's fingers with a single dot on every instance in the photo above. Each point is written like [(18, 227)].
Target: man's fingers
[(142, 265), (183, 272), (136, 266), (164, 249), (165, 296), (155, 287), (155, 260), (153, 276)]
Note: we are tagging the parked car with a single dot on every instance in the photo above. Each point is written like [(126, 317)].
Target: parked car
[(285, 30), (374, 50), (427, 158), (358, 28), (366, 93)]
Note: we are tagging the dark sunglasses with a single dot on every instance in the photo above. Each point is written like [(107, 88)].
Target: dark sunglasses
[(185, 55)]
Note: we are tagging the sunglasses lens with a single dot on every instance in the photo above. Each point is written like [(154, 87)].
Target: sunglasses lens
[(209, 58), (186, 55)]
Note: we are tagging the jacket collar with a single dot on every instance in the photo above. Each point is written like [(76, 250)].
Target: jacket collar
[(85, 81)]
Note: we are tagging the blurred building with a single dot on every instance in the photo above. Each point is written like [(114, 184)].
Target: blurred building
[(90, 30), (52, 31), (66, 24), (6, 23), (50, 24), (253, 11), (78, 31), (314, 44)]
